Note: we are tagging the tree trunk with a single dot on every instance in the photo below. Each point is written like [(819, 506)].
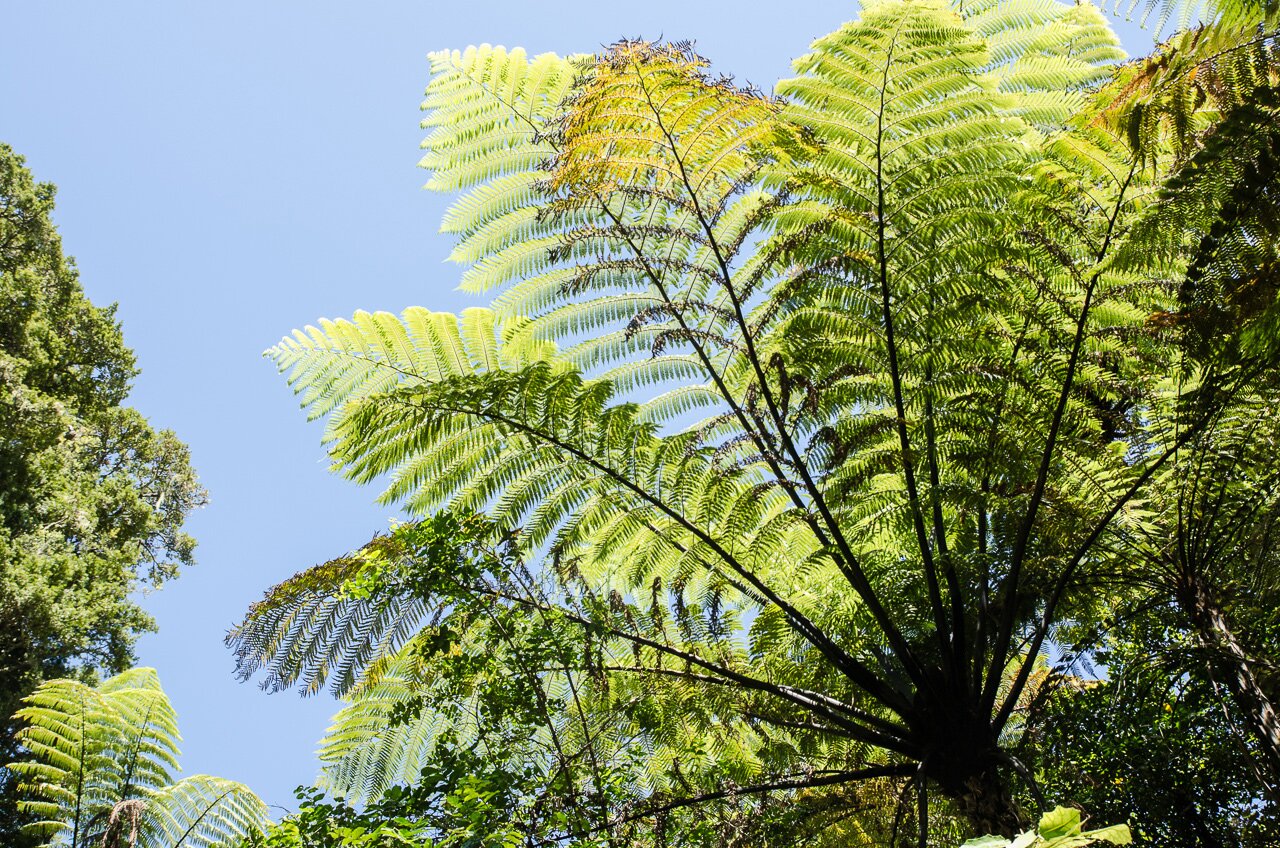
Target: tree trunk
[(987, 802), (1214, 632), (963, 759)]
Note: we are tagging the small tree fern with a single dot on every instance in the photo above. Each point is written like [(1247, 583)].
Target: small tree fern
[(101, 766)]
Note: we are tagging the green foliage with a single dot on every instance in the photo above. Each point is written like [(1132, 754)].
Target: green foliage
[(797, 426), (1058, 828), (92, 499), (1180, 734), (100, 770), (1157, 745), (459, 801)]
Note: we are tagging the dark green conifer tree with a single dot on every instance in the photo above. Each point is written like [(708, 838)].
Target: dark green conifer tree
[(92, 499)]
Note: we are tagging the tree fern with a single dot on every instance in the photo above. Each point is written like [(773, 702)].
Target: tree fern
[(797, 427), (101, 765)]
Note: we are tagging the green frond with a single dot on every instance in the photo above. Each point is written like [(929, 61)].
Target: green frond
[(307, 632), (364, 751), (343, 361), (485, 107), (1177, 16), (201, 812), (1047, 54)]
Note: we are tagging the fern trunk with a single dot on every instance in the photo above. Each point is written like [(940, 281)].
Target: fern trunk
[(985, 799), (1215, 633), (963, 758)]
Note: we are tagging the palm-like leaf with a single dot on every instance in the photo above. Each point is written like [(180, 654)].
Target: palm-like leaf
[(899, 325)]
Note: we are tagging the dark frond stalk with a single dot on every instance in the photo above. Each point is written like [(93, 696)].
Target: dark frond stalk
[(954, 592), (857, 671), (848, 562), (1028, 779), (895, 377), (723, 389), (788, 485), (922, 812), (798, 696), (81, 759), (900, 809), (758, 438), (834, 779), (861, 715), (814, 702), (984, 600), (790, 724), (747, 591), (126, 781), (195, 823), (1009, 594), (1041, 631)]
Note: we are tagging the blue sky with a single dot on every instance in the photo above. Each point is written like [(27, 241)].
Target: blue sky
[(229, 171)]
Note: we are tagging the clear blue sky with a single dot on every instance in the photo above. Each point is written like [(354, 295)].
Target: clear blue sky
[(228, 171)]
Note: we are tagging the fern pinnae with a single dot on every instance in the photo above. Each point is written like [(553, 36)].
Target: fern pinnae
[(431, 478)]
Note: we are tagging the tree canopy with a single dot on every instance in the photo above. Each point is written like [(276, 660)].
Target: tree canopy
[(811, 442), (92, 498)]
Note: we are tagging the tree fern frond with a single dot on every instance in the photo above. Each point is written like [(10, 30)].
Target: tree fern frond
[(202, 812), (307, 632)]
